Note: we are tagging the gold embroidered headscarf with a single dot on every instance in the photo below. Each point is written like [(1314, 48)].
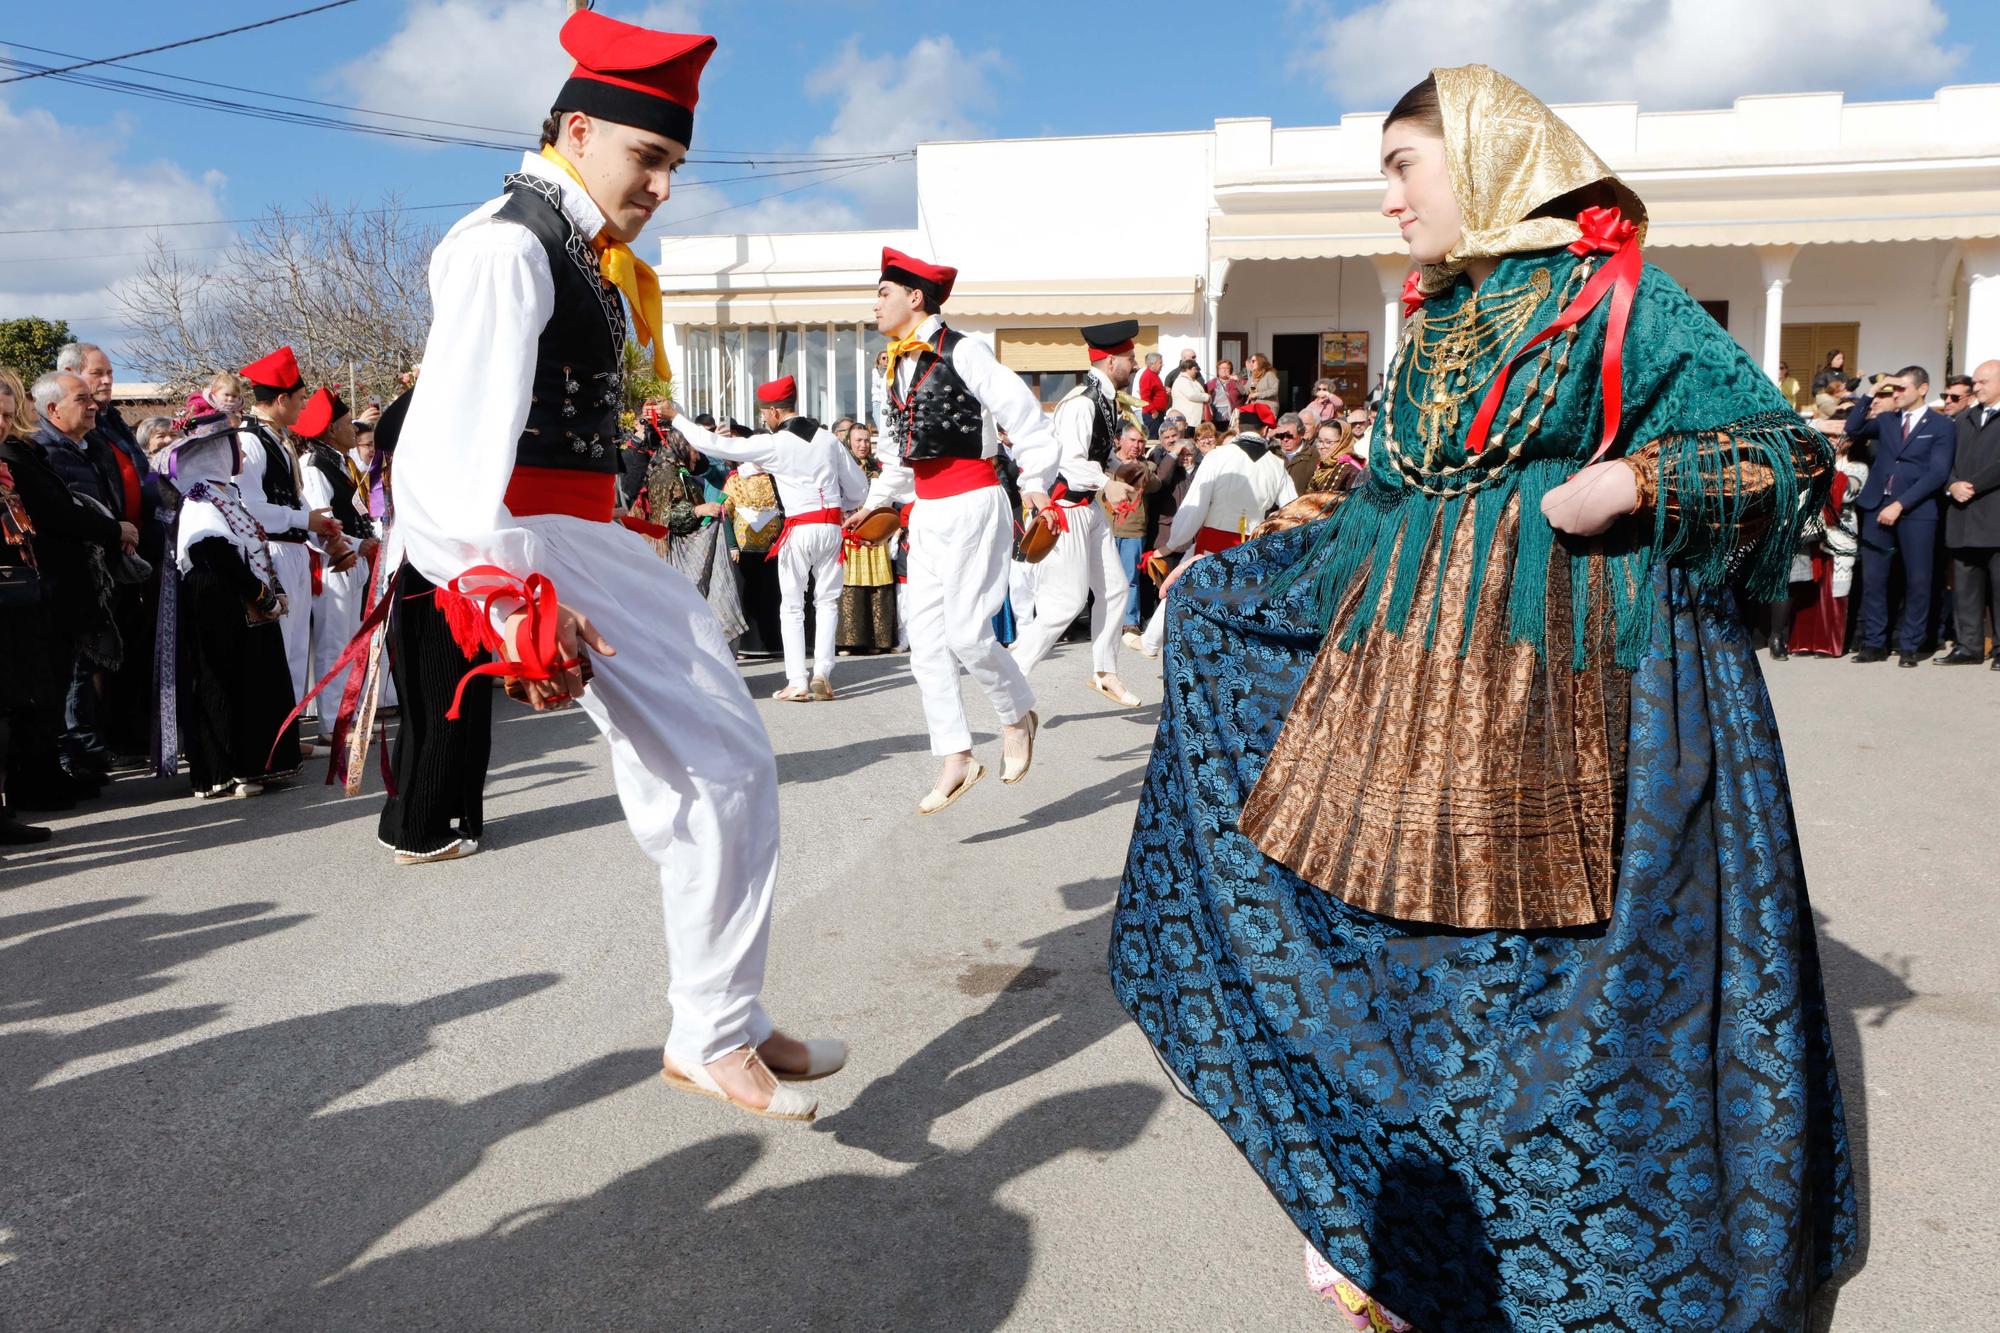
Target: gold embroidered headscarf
[(1509, 155)]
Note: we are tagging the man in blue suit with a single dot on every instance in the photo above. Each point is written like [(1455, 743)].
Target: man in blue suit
[(1900, 508)]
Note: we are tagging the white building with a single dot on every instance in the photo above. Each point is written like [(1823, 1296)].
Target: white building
[(1804, 223)]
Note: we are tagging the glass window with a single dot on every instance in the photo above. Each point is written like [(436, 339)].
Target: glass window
[(815, 394), (1051, 385), (757, 365), (848, 399), (873, 344), (693, 391), (730, 393), (788, 352)]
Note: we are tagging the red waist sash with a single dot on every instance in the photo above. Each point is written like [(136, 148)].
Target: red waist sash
[(833, 516), (1210, 540), (561, 490), (942, 478)]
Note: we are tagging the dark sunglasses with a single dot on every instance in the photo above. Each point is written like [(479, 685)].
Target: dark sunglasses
[(1284, 435), (1957, 396)]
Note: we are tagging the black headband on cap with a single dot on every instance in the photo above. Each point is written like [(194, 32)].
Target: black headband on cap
[(902, 277), (627, 106)]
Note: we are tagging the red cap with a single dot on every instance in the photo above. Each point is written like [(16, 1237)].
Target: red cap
[(934, 280), (632, 75), (1261, 411), (321, 410), (778, 391), (279, 370)]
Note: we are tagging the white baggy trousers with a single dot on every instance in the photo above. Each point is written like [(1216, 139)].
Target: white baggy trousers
[(336, 615), (1084, 563), (293, 564), (960, 548), (694, 771), (811, 549)]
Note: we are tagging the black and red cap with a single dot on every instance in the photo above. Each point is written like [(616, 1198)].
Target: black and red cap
[(633, 75), (279, 370), (320, 412), (933, 280), (1114, 339)]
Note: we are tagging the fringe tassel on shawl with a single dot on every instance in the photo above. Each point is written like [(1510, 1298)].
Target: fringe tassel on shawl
[(1705, 519)]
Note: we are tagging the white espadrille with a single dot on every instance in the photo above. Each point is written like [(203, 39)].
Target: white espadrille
[(787, 1102)]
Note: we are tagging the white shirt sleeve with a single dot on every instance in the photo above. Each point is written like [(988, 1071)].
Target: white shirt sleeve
[(492, 292), (761, 450), (853, 482), (1287, 492), (1193, 511), (1071, 429), (250, 483), (894, 485), (1014, 409)]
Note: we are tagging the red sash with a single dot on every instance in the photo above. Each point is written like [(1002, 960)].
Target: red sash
[(942, 478), (130, 476), (1210, 540), (833, 516), (561, 490)]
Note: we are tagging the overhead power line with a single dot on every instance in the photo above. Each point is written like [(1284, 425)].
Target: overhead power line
[(185, 41), (235, 105)]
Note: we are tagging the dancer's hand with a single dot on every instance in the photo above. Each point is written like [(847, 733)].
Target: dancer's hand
[(860, 516), (574, 633), (1593, 499), (1037, 501)]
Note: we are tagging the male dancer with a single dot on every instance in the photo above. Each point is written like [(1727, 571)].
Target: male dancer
[(819, 484), (327, 430), (1085, 560), (506, 481), (961, 531), (270, 485)]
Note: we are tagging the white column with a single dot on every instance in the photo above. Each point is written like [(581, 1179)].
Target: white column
[(1982, 307), (1776, 263), (714, 403), (1218, 275), (1390, 271), (830, 387)]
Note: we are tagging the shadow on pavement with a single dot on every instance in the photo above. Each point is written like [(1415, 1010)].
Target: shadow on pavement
[(1043, 1012), (1858, 988), (1120, 789), (218, 1183)]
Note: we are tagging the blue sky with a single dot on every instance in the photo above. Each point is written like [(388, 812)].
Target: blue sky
[(838, 77)]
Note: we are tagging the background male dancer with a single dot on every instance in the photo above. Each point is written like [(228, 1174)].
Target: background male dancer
[(818, 483), (938, 450)]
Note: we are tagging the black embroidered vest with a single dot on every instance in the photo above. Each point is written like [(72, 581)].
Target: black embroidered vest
[(281, 483), (940, 418), (579, 382), (1103, 422)]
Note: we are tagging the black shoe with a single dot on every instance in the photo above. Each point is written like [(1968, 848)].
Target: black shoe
[(1779, 652), (13, 834), (1958, 657), (84, 776), (1870, 655), (1906, 659), (1996, 662)]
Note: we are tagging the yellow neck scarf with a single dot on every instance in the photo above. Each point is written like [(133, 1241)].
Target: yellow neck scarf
[(907, 345), (631, 275)]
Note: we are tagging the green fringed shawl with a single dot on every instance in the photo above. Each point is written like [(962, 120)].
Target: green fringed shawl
[(1690, 390)]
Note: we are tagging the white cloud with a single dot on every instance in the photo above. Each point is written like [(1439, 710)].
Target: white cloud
[(1666, 55), (96, 187), (495, 63), (888, 103)]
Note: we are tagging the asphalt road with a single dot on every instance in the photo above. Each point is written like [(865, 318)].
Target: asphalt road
[(252, 1075)]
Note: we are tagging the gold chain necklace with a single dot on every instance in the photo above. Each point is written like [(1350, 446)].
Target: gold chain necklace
[(1437, 372)]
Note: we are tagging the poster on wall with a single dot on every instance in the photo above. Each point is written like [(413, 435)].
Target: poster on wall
[(1343, 358)]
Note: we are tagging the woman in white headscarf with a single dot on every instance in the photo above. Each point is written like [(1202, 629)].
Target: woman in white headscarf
[(230, 690)]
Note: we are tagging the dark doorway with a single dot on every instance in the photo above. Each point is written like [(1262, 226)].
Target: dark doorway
[(1295, 356)]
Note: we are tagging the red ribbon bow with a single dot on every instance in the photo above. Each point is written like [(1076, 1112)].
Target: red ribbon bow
[(1413, 293), (539, 655), (1605, 230)]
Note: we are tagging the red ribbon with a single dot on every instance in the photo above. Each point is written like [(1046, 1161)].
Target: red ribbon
[(1603, 229), (1054, 513), (357, 648), (537, 653), (1413, 293)]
